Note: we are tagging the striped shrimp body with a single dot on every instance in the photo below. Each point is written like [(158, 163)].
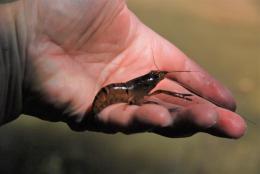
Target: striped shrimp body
[(132, 92)]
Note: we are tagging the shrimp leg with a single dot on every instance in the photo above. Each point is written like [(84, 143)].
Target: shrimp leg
[(174, 94)]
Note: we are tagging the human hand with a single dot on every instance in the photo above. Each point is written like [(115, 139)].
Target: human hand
[(74, 48)]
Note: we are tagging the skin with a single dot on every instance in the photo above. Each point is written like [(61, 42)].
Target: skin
[(74, 48)]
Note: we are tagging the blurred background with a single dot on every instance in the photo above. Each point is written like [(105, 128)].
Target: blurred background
[(222, 36)]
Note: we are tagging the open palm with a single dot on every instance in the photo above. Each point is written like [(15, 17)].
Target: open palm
[(77, 47)]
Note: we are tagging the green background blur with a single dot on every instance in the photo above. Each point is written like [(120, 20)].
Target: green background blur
[(224, 37)]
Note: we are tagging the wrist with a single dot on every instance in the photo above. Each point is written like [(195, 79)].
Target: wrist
[(11, 65)]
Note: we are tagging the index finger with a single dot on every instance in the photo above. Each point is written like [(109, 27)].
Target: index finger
[(197, 80)]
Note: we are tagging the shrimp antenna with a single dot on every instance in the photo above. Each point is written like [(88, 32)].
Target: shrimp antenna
[(170, 71), (249, 121), (153, 57)]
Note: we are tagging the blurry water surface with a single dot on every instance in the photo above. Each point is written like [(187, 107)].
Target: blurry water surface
[(223, 36)]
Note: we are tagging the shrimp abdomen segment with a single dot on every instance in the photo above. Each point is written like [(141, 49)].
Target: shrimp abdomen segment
[(111, 94)]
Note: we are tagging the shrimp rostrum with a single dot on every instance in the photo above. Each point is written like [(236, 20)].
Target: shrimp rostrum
[(133, 91)]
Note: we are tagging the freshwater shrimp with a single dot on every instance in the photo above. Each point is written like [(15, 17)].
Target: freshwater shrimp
[(133, 91)]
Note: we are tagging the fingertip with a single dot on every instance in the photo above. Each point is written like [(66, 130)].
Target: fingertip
[(239, 128), (231, 124), (118, 114), (231, 102), (225, 98), (206, 116), (154, 115), (201, 116), (213, 120)]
